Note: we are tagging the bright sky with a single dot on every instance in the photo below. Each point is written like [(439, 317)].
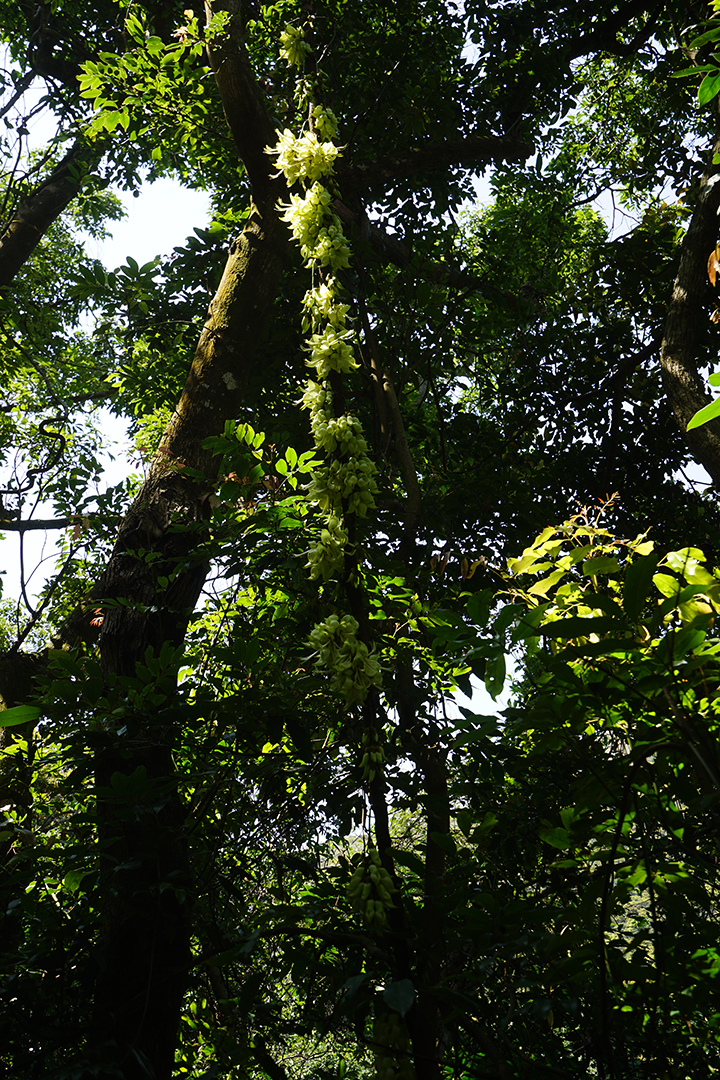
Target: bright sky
[(160, 219), (162, 216)]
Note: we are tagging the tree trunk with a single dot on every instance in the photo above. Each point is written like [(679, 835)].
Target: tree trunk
[(36, 212), (687, 315), (152, 582)]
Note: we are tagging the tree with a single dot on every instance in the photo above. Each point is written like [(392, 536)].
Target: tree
[(243, 835)]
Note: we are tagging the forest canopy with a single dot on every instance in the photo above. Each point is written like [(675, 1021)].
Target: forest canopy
[(264, 812)]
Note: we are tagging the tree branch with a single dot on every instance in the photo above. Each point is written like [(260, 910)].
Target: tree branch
[(467, 152), (602, 37), (245, 106), (37, 211), (38, 524)]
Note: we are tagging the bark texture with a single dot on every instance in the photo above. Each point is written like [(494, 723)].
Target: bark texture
[(684, 327)]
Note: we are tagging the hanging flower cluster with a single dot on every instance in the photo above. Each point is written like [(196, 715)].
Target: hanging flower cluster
[(292, 47), (370, 890), (327, 557), (345, 483), (332, 351), (354, 669), (392, 1048), (304, 158), (350, 481)]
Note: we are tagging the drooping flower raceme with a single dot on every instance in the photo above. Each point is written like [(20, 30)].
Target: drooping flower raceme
[(292, 46), (345, 483), (331, 351), (306, 158), (325, 121), (354, 668), (327, 557)]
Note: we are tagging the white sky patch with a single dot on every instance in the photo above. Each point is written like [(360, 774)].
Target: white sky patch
[(159, 219), (481, 702)]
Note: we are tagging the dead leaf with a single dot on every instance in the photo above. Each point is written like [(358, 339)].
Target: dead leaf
[(713, 265)]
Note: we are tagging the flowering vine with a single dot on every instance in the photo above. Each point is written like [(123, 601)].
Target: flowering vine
[(344, 485)]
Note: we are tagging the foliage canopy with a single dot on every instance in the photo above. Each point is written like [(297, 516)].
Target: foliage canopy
[(247, 829)]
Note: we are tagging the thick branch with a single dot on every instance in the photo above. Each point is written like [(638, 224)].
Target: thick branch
[(36, 212), (37, 524), (469, 152), (603, 36), (684, 327), (333, 937), (183, 470), (153, 580)]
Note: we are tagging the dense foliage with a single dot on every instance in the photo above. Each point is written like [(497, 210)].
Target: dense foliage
[(389, 444)]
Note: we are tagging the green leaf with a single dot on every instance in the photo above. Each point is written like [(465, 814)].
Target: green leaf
[(600, 565), (73, 879), (19, 714), (713, 34), (351, 987), (410, 861), (444, 841), (709, 88), (709, 412), (577, 626), (699, 70), (495, 676), (667, 585), (465, 820), (486, 826), (559, 838), (541, 588), (685, 557), (400, 996), (133, 786), (638, 578)]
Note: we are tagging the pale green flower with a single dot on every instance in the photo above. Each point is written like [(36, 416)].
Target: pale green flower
[(305, 158), (352, 481), (292, 46), (325, 121), (323, 306), (353, 667), (341, 433), (331, 351), (307, 216), (327, 557), (318, 399)]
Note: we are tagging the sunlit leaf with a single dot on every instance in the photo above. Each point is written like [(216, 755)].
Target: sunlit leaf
[(709, 412), (19, 714)]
